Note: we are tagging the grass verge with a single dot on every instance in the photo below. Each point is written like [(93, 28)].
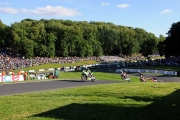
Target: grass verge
[(121, 101), (98, 75), (132, 101)]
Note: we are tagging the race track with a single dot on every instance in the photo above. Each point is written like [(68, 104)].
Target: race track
[(165, 78), (26, 87), (35, 86)]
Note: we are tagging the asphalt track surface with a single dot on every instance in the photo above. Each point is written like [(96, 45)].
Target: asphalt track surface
[(164, 78), (37, 86), (27, 87)]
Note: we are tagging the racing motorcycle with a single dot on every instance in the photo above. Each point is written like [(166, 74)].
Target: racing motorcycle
[(87, 76), (125, 77)]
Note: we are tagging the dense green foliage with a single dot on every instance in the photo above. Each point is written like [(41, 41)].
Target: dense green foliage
[(52, 38), (170, 45)]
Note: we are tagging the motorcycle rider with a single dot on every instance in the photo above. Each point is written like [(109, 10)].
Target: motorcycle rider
[(124, 74), (87, 75), (88, 71), (142, 78)]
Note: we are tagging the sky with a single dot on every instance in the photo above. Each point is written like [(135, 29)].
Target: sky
[(154, 16)]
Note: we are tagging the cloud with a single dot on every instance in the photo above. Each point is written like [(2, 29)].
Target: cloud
[(104, 4), (23, 10), (166, 11), (4, 3), (52, 11), (123, 5), (8, 10)]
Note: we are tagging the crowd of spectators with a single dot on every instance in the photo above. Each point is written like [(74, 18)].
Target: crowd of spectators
[(111, 58), (139, 61), (171, 61), (8, 61), (13, 62)]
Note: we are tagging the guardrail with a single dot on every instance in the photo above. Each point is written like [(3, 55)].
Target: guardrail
[(165, 72)]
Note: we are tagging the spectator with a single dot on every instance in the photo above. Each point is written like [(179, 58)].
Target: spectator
[(50, 76), (56, 73), (12, 73), (25, 75), (19, 72)]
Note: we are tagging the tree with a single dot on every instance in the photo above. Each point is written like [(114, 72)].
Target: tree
[(28, 47), (172, 41), (71, 38), (149, 45), (161, 45), (107, 37), (3, 36)]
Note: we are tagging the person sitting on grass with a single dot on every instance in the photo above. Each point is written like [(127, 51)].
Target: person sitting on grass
[(51, 76)]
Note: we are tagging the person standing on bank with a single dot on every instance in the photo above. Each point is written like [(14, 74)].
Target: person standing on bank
[(56, 73)]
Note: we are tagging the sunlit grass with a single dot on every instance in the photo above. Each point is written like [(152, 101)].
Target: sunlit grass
[(124, 100), (112, 101)]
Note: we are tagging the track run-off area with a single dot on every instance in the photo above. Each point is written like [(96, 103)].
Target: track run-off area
[(43, 85)]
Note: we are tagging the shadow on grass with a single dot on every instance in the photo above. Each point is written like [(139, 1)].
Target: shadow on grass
[(165, 108)]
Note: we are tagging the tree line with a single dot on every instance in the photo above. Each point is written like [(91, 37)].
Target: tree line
[(53, 38), (171, 45)]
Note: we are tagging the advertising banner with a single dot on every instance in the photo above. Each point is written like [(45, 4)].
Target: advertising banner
[(10, 78), (7, 78), (1, 78), (15, 78), (148, 71), (21, 78)]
